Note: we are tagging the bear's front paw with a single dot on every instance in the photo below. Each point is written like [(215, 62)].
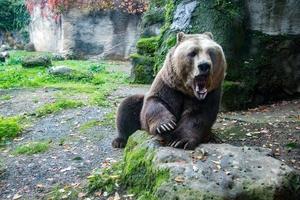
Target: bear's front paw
[(166, 127), (119, 142), (184, 143)]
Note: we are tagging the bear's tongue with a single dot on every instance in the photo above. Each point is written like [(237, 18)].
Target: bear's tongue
[(200, 89)]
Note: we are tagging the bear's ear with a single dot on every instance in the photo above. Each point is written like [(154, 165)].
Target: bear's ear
[(180, 37), (209, 34)]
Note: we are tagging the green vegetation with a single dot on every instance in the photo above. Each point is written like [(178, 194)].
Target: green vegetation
[(108, 120), (60, 192), (57, 106), (32, 148), (135, 174), (5, 97), (90, 78), (147, 46), (9, 128), (14, 16)]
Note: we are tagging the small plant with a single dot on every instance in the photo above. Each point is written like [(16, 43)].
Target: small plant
[(9, 128), (89, 125), (106, 180), (57, 106), (32, 148), (5, 97), (63, 192), (97, 68)]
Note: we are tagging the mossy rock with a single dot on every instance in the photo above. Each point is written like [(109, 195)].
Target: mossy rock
[(151, 171), (147, 46), (36, 61), (142, 68), (235, 96), (135, 174)]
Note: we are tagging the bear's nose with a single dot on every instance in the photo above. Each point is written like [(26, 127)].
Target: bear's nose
[(204, 68)]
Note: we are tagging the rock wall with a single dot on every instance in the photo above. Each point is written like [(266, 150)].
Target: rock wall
[(102, 34), (45, 31), (274, 17), (260, 39)]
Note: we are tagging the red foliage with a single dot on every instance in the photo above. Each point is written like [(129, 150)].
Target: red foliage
[(59, 6)]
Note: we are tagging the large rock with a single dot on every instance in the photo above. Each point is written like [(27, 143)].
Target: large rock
[(29, 47), (183, 15), (36, 61), (60, 70), (3, 56), (212, 171), (84, 32)]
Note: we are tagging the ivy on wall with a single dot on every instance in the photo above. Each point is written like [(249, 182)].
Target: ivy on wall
[(13, 15), (60, 6)]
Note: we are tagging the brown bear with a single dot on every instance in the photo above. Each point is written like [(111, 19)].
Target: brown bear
[(183, 101)]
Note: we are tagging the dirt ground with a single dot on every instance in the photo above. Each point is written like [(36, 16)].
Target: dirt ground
[(75, 153)]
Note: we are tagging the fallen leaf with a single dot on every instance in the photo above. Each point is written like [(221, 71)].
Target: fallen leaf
[(66, 169), (16, 196), (81, 195), (117, 196), (179, 179)]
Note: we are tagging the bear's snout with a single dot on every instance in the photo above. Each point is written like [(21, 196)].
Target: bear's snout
[(204, 68)]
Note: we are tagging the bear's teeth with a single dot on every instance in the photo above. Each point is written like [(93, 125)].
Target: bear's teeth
[(197, 88), (203, 91)]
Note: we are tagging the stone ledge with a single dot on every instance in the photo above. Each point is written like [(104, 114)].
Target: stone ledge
[(218, 171)]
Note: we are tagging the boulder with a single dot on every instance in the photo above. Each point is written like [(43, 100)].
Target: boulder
[(29, 47), (68, 73), (3, 56), (183, 15), (36, 61), (212, 171), (60, 70), (57, 57), (5, 47)]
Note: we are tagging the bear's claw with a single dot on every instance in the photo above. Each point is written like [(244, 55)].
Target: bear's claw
[(166, 127), (186, 144)]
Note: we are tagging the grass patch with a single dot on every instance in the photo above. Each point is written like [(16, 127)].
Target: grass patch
[(32, 148), (57, 106), (5, 97), (9, 128), (108, 120), (135, 174), (88, 125), (92, 78)]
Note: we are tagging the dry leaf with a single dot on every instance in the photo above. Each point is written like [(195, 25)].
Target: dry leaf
[(16, 196), (179, 179)]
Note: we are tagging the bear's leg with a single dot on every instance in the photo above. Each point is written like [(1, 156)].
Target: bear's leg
[(157, 119), (191, 131), (128, 119)]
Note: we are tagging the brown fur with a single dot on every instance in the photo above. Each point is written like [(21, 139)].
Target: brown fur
[(172, 109)]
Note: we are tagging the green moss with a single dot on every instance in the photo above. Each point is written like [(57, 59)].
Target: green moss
[(136, 173), (152, 16), (5, 97), (142, 68), (88, 125), (235, 95), (32, 148), (147, 46), (9, 128), (57, 106)]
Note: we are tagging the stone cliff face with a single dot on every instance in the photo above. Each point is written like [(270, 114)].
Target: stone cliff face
[(260, 38), (104, 34), (274, 17)]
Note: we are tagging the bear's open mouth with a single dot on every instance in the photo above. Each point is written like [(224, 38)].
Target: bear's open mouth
[(200, 86)]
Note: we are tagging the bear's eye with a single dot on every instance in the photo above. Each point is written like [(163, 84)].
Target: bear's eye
[(193, 53)]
